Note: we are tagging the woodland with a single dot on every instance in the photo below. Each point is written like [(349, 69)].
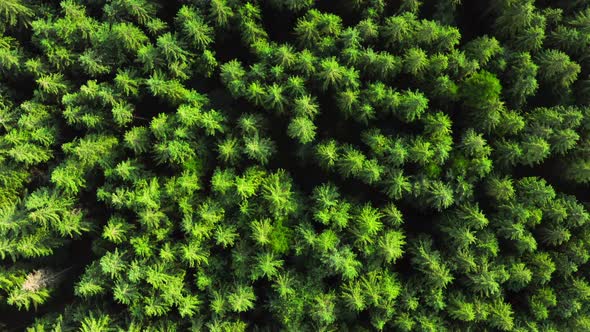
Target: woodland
[(294, 165)]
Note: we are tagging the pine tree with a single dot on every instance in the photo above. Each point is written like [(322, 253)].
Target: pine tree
[(579, 171), (14, 11), (220, 13), (302, 129), (258, 148), (415, 61), (481, 89), (276, 190), (412, 105), (398, 29), (331, 73), (558, 69), (195, 28), (242, 298), (429, 263)]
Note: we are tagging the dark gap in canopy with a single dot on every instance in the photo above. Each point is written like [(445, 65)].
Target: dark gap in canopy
[(474, 20)]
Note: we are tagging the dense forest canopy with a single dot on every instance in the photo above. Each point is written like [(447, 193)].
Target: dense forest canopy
[(294, 165)]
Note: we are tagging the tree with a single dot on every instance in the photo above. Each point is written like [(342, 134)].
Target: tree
[(391, 245), (461, 308), (275, 98), (429, 263), (131, 39), (372, 171), (486, 280), (382, 65), (266, 266), (481, 89), (331, 73), (284, 56), (69, 177), (112, 264), (510, 122), (523, 82), (440, 195), (500, 189), (91, 323), (398, 29), (415, 61), (330, 208), (578, 171), (259, 148), (558, 69), (474, 144), (534, 150), (328, 154), (483, 49), (343, 261), (194, 27), (412, 6), (220, 13), (242, 298), (353, 297), (306, 105), (323, 308), (93, 64), (368, 224), (251, 124), (52, 84), (296, 86), (137, 139), (396, 184), (508, 153), (122, 114), (276, 190), (91, 150), (500, 315), (212, 122), (10, 55), (520, 276), (307, 32), (29, 154), (514, 17), (563, 141), (411, 106), (581, 21), (232, 75), (229, 150), (127, 82), (172, 48), (305, 65), (170, 90), (251, 28), (140, 10), (14, 11), (351, 162), (347, 101), (302, 129), (421, 151)]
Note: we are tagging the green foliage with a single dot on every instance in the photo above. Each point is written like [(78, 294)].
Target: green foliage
[(15, 11), (481, 89), (558, 69), (294, 165), (302, 129), (429, 263), (411, 105)]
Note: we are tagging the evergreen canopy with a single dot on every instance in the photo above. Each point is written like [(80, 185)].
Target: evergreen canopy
[(294, 165)]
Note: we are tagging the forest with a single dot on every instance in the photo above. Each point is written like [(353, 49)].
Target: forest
[(294, 165)]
